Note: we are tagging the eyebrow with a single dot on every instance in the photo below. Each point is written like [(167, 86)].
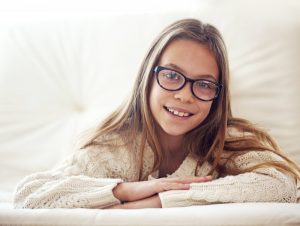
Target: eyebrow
[(177, 68)]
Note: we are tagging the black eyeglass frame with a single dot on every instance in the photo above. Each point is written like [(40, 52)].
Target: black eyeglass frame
[(219, 86)]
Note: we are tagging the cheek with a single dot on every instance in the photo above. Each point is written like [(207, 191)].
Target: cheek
[(204, 108), (157, 99), (157, 94), (154, 97)]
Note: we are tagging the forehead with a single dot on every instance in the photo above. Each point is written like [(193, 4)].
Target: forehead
[(191, 58)]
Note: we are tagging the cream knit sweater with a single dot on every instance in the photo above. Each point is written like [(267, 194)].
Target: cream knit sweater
[(86, 180)]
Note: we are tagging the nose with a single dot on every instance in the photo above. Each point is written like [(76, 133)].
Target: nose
[(185, 94)]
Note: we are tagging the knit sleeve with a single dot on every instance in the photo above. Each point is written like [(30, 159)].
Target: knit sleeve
[(260, 185), (85, 180)]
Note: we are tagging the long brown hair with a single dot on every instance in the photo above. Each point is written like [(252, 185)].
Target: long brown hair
[(210, 139)]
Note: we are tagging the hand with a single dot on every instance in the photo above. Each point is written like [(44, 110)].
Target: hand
[(151, 202), (133, 191)]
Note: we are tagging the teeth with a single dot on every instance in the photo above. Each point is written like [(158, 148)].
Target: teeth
[(181, 114)]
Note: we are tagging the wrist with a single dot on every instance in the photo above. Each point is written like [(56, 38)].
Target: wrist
[(120, 192)]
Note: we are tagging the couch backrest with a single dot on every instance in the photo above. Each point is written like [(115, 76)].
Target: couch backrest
[(61, 74)]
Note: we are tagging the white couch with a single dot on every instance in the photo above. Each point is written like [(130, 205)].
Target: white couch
[(61, 74)]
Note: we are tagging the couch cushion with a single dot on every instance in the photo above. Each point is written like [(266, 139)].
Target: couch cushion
[(239, 214)]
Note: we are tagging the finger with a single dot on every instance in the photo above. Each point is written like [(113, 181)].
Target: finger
[(187, 180), (166, 186)]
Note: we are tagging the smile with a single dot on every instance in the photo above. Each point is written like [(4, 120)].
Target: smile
[(178, 113)]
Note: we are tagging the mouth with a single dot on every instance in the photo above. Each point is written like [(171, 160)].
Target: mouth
[(177, 112)]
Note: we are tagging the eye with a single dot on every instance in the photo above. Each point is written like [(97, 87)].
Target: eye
[(172, 75), (205, 85)]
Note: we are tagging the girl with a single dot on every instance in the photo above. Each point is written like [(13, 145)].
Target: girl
[(173, 143)]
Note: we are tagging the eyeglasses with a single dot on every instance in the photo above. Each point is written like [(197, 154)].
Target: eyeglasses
[(173, 80)]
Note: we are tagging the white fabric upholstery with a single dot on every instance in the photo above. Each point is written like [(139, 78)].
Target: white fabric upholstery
[(62, 74), (254, 214)]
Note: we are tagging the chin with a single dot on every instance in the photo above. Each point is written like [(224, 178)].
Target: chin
[(175, 133)]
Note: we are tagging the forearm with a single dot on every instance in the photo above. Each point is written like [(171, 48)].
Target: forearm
[(248, 187), (43, 190), (151, 202), (134, 191)]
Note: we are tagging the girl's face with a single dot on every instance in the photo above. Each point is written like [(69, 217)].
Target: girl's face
[(178, 112)]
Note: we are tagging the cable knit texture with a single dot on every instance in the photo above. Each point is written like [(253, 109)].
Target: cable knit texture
[(86, 180)]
